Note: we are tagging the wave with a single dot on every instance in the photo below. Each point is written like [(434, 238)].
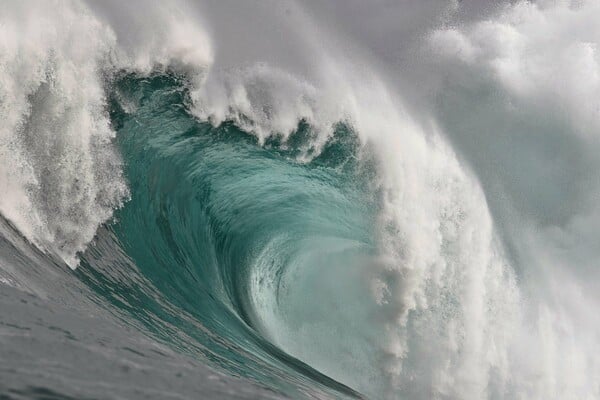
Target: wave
[(311, 206)]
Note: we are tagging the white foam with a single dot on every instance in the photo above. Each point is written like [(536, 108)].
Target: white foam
[(56, 161), (58, 169)]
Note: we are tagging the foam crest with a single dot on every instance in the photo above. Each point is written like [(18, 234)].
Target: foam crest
[(57, 162), (59, 170)]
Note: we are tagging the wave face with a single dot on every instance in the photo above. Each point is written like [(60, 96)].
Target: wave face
[(299, 200)]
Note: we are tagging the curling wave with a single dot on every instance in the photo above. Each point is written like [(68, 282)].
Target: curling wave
[(314, 213)]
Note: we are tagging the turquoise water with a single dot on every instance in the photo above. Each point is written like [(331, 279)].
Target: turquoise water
[(219, 227)]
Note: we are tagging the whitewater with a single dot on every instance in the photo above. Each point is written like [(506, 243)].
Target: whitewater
[(299, 199)]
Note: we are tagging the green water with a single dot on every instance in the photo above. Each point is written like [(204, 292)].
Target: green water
[(218, 227)]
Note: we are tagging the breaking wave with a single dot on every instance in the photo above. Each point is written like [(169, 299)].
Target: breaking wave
[(317, 202)]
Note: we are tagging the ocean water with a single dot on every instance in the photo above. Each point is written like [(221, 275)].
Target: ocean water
[(292, 199)]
